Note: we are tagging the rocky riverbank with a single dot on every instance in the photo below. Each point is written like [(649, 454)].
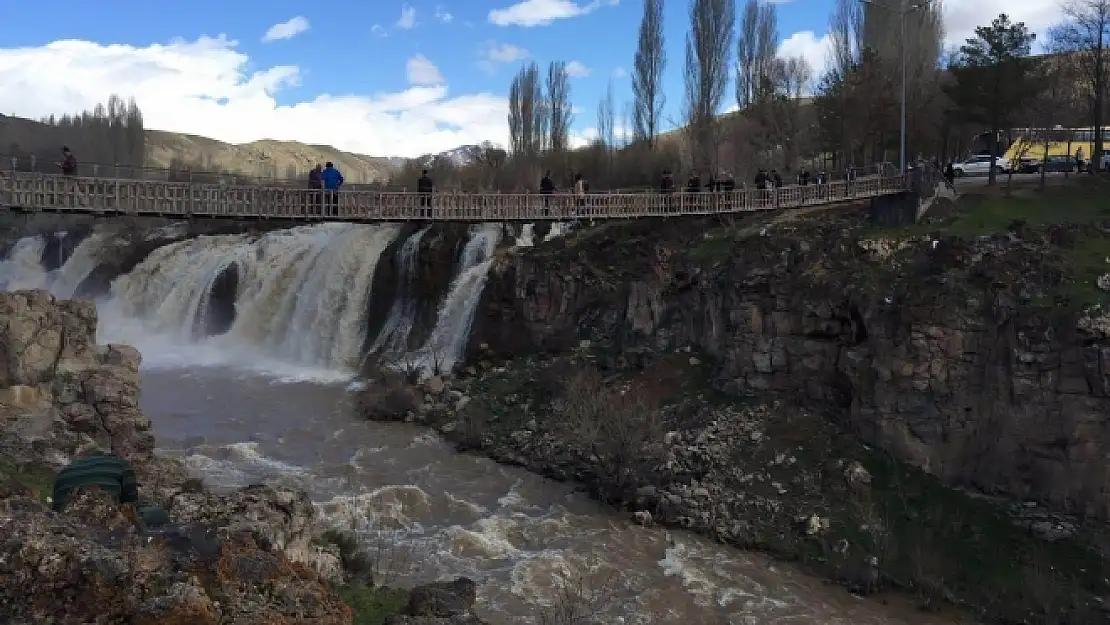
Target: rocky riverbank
[(894, 410), (767, 474), (247, 556)]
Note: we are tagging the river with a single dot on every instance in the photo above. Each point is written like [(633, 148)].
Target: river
[(239, 413)]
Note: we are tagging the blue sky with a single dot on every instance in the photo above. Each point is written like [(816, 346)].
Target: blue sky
[(361, 75)]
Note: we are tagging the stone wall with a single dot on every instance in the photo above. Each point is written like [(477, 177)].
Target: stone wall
[(942, 352)]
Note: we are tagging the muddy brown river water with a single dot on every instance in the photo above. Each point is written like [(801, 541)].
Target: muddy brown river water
[(519, 535)]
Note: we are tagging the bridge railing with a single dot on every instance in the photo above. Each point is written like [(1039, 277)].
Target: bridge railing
[(180, 199)]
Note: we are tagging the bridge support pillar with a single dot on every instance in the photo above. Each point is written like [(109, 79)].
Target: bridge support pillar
[(899, 209)]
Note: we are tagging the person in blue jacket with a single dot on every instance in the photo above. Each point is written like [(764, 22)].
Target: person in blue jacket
[(332, 180)]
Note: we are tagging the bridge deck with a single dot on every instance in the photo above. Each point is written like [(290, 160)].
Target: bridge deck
[(106, 196)]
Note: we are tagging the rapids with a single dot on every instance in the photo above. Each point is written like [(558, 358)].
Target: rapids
[(267, 398)]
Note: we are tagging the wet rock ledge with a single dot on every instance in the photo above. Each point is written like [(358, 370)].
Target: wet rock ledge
[(244, 557)]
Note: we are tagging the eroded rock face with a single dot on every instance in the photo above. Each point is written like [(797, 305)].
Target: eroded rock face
[(935, 349), (64, 386)]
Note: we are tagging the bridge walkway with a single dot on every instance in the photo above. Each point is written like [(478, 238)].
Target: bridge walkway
[(35, 192)]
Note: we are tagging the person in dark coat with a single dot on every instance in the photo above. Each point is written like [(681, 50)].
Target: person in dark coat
[(666, 185), (547, 187), (316, 177), (68, 164), (425, 186), (693, 185), (761, 180)]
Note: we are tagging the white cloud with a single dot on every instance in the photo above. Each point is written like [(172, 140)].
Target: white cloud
[(286, 30), (817, 51), (408, 17), (577, 69), (494, 54), (422, 72), (378, 31), (961, 18), (443, 15), (619, 72), (208, 87), (528, 13)]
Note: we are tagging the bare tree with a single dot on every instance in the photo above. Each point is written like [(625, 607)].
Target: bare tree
[(790, 79), (647, 73), (708, 55), (559, 108), (1086, 34), (846, 32), (105, 136), (527, 114), (606, 131), (756, 46)]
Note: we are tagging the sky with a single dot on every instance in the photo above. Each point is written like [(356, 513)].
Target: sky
[(385, 78)]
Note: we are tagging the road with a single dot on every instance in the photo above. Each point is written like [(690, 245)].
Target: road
[(1053, 178)]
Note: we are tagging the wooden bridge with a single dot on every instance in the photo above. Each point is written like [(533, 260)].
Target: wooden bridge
[(35, 192)]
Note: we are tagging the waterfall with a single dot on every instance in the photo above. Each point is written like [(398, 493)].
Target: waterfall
[(291, 302), (301, 294), (23, 267), (393, 337), (527, 236), (78, 266), (444, 348)]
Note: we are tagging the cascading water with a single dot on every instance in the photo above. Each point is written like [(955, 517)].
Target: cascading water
[(395, 331), (79, 265), (23, 267), (444, 347), (301, 294)]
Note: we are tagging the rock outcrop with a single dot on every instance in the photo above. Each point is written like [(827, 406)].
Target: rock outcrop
[(244, 557), (957, 356), (90, 564)]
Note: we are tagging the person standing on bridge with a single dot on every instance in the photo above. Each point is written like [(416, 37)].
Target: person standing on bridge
[(68, 164), (315, 177), (332, 180), (580, 193), (547, 187), (425, 186)]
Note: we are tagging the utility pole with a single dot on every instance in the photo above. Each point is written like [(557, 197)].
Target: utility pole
[(902, 12)]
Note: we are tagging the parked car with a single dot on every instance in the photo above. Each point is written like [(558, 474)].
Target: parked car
[(1027, 165), (980, 165), (1104, 162), (1057, 164)]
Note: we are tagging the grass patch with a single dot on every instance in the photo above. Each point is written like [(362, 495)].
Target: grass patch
[(980, 213), (372, 606), (1073, 217)]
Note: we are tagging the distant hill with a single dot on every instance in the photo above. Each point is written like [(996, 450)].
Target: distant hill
[(266, 158)]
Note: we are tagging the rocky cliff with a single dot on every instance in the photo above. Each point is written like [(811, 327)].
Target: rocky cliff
[(962, 357)]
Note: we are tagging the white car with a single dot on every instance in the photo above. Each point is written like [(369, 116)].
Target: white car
[(980, 166)]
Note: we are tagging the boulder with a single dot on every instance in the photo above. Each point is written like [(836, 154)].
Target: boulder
[(441, 603), (91, 564)]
